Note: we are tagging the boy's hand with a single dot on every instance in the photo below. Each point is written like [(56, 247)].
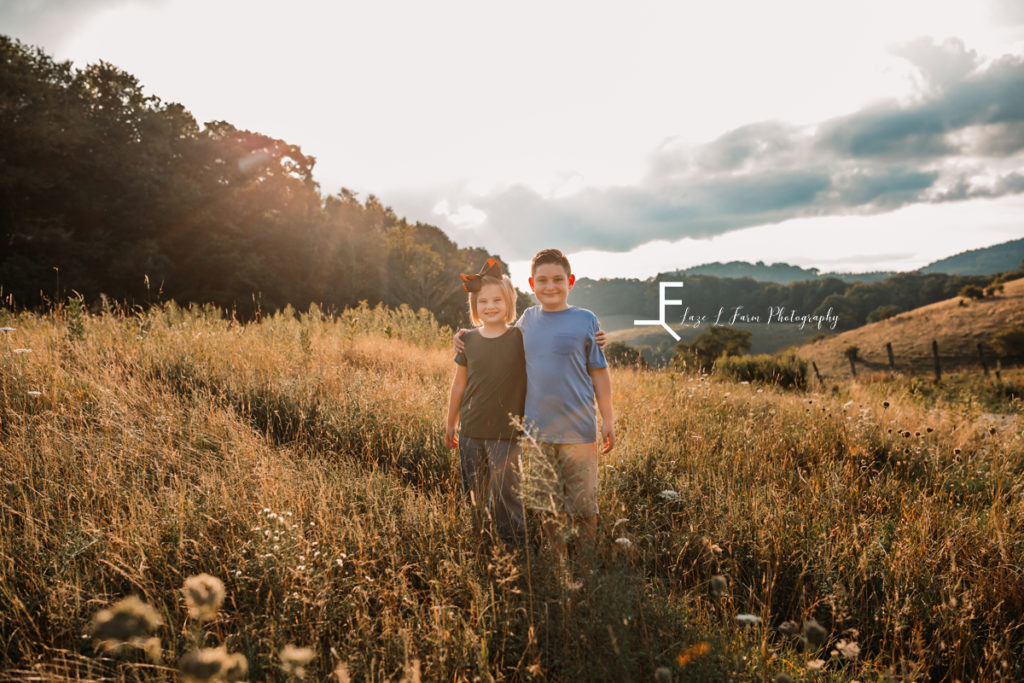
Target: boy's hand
[(449, 437), (607, 437), (460, 345), (600, 337)]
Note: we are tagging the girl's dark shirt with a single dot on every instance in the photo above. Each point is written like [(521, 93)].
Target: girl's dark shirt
[(495, 384)]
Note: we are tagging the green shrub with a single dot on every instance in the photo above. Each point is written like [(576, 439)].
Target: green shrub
[(883, 313), (971, 292), (704, 351), (788, 371), (620, 354)]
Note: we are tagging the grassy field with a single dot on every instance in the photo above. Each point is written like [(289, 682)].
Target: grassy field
[(299, 460)]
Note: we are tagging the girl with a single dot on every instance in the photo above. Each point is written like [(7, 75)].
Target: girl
[(489, 389)]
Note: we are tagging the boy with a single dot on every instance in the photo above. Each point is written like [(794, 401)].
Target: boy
[(565, 369)]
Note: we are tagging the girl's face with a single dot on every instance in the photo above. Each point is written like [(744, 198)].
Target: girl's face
[(490, 305)]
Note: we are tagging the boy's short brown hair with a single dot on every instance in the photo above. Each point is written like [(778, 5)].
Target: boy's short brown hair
[(550, 256), (508, 293)]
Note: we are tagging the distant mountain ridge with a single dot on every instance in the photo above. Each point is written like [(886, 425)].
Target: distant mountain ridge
[(783, 273), (983, 261)]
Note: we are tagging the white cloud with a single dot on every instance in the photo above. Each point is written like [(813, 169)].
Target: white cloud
[(465, 217), (902, 240)]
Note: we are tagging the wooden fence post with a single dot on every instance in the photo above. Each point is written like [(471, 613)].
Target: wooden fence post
[(981, 358), (817, 374), (892, 363), (935, 355)]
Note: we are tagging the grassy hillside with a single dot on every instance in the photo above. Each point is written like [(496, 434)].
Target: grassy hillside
[(957, 324), (300, 461)]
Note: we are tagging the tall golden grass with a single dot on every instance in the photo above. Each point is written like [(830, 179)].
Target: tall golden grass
[(299, 459)]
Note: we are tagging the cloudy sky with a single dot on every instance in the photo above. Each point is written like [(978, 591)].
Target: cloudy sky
[(639, 138)]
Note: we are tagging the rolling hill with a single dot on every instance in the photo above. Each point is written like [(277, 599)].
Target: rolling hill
[(956, 324)]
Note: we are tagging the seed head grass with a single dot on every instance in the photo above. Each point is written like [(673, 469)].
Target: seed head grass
[(204, 595), (213, 665)]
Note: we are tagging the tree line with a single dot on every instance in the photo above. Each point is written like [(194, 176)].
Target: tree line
[(854, 303), (104, 189)]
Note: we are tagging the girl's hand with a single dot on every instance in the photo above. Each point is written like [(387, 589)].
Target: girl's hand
[(460, 345), (449, 437), (600, 337)]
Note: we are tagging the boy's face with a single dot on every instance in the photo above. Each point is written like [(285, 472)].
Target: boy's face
[(551, 284)]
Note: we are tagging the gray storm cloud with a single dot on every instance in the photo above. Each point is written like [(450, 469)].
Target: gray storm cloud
[(50, 22), (960, 138)]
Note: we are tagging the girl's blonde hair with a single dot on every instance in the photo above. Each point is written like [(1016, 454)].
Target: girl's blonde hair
[(508, 293)]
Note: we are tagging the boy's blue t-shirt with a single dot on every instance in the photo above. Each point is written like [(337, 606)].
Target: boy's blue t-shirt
[(560, 351)]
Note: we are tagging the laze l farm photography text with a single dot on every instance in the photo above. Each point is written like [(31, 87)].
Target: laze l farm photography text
[(777, 314)]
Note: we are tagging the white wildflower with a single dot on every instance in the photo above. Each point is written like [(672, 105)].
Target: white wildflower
[(295, 659), (748, 619), (848, 649), (624, 542), (212, 664), (204, 594), (669, 494), (127, 621)]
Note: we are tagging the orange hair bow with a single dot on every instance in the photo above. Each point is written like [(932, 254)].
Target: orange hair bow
[(472, 283)]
